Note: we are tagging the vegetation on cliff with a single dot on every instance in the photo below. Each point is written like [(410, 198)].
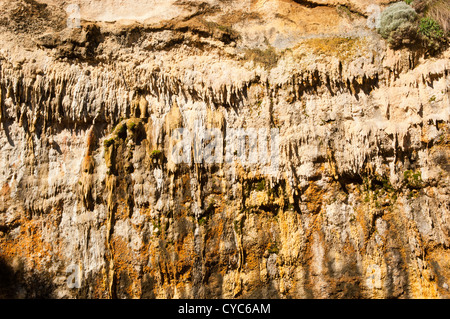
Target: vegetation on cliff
[(401, 25)]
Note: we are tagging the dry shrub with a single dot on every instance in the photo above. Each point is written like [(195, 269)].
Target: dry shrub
[(440, 12), (398, 24)]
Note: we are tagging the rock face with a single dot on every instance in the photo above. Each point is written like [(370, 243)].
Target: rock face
[(336, 187)]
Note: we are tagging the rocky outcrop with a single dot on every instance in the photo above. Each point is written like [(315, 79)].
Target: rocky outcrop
[(344, 194)]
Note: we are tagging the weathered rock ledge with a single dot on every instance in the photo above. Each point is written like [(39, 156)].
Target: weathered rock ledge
[(358, 205)]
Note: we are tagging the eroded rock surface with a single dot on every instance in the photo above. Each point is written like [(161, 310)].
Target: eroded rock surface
[(356, 207)]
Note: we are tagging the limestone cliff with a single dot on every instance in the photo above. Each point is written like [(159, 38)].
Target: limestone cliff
[(357, 205)]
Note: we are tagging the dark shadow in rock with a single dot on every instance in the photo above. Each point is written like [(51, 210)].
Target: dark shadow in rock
[(6, 130), (16, 284)]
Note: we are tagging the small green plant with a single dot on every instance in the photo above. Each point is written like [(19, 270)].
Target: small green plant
[(409, 1), (413, 179), (377, 188), (430, 28), (432, 34)]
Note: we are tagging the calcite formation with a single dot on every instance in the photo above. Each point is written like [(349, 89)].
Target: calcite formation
[(96, 100)]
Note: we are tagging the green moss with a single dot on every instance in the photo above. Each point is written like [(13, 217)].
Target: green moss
[(343, 10), (225, 28), (261, 185), (155, 154), (413, 179), (120, 129), (267, 58), (377, 204), (131, 126), (202, 221), (412, 194), (273, 248), (109, 142), (378, 189), (238, 226), (215, 26), (387, 186), (157, 227), (341, 47)]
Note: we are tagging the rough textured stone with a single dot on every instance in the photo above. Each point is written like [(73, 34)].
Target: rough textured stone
[(358, 207)]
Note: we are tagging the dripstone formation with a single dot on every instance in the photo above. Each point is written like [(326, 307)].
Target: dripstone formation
[(95, 204)]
